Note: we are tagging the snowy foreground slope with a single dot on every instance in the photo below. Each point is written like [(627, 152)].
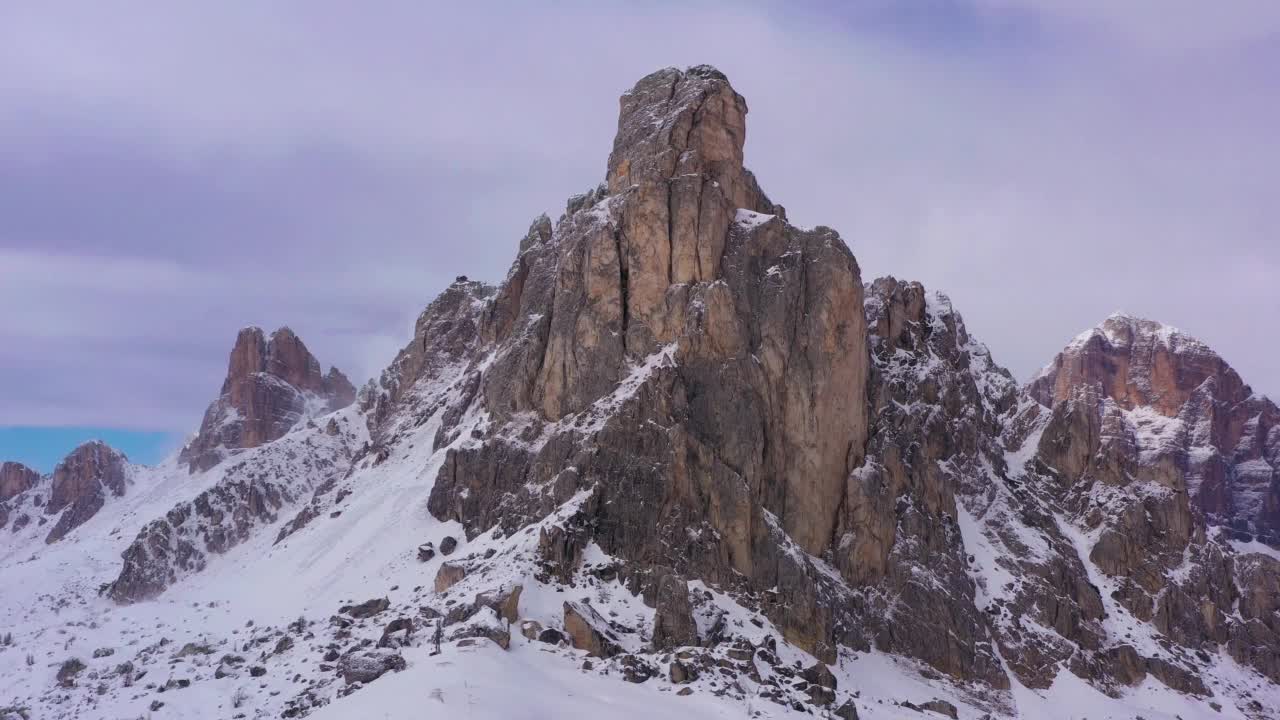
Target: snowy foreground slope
[(244, 602), (681, 462)]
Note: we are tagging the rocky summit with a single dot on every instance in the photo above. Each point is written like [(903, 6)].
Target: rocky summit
[(272, 384), (684, 460), (77, 489)]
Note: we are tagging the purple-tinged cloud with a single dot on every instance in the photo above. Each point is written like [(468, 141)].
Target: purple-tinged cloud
[(169, 174)]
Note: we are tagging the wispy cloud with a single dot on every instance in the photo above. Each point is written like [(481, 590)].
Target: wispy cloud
[(172, 173)]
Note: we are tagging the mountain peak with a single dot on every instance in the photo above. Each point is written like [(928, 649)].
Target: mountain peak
[(16, 478), (1122, 327), (683, 123), (1137, 362), (273, 382), (80, 483)]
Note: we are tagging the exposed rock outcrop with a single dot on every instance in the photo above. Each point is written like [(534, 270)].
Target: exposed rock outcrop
[(673, 624), (703, 390), (1151, 446), (449, 575), (714, 355), (272, 384), (80, 486), (1195, 425), (589, 631), (365, 666), (16, 478)]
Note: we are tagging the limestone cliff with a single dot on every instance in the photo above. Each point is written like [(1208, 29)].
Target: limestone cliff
[(272, 384)]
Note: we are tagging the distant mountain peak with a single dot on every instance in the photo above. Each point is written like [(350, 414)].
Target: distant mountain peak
[(1171, 395), (273, 382), (1137, 362), (16, 478)]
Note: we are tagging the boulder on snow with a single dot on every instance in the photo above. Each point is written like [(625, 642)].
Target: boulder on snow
[(68, 671), (673, 624), (192, 648), (504, 601), (681, 673), (589, 631), (819, 674), (847, 711), (636, 670), (404, 626), (368, 665), (820, 696), (366, 609), (484, 623), (551, 636), (449, 575), (531, 629), (448, 545), (426, 552), (942, 707)]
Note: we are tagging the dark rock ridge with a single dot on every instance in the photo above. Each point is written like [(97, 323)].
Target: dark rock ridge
[(272, 384), (937, 399), (252, 494)]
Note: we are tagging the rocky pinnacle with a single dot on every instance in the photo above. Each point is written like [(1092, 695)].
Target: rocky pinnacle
[(272, 384)]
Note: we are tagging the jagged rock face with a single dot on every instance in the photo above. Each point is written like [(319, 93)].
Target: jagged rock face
[(678, 153), (271, 385), (767, 426), (695, 367), (1147, 441), (1257, 640), (445, 334), (16, 478), (80, 485), (937, 399), (956, 544), (673, 623), (1153, 394)]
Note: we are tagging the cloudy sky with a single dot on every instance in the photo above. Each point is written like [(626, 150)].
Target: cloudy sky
[(170, 172)]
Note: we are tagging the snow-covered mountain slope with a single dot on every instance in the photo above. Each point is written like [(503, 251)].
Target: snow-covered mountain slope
[(684, 462), (56, 596)]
